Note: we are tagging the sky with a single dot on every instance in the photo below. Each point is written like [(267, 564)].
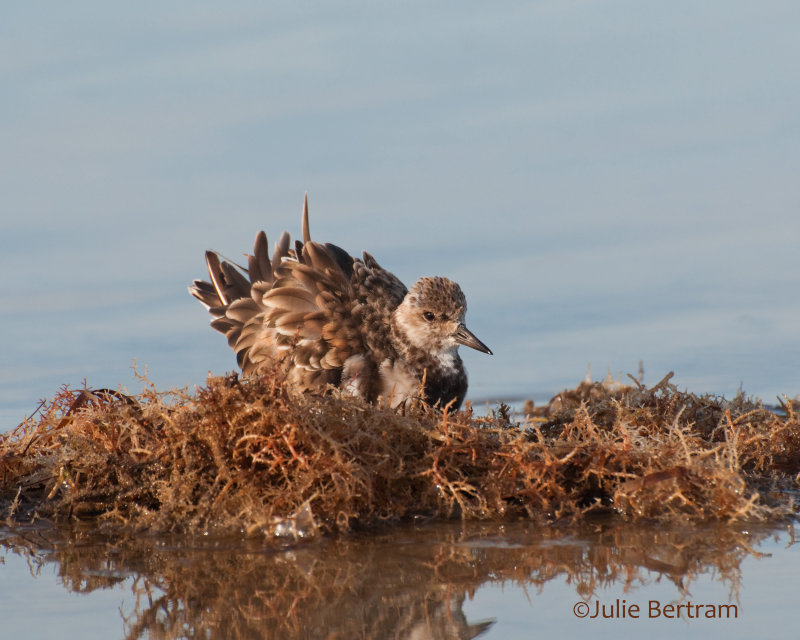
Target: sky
[(609, 182)]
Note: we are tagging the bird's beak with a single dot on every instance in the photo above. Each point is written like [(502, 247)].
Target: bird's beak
[(467, 338)]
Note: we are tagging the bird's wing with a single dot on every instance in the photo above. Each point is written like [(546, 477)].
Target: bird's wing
[(378, 293), (233, 297), (312, 308), (311, 305)]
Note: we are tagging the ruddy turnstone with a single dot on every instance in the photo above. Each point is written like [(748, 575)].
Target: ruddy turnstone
[(330, 318)]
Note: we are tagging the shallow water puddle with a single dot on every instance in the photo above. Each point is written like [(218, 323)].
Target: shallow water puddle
[(451, 580)]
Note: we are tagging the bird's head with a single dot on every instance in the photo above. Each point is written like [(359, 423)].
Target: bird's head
[(431, 318)]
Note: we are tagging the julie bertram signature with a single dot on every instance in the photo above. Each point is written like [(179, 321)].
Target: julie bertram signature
[(622, 609)]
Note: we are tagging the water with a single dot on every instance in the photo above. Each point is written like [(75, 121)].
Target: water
[(429, 581), (609, 182)]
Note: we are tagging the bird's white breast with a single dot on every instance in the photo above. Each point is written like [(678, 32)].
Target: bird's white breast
[(398, 384), (447, 361)]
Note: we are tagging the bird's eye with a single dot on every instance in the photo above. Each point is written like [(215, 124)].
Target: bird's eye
[(428, 316)]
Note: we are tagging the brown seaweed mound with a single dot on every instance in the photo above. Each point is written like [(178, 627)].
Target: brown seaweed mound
[(252, 456)]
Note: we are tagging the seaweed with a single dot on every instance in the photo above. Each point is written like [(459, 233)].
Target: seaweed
[(252, 456)]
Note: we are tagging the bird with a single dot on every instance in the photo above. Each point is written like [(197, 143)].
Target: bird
[(331, 319)]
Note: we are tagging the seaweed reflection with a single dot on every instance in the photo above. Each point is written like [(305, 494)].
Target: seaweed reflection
[(404, 583)]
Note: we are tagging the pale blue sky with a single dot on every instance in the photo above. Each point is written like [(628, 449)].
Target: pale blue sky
[(608, 181)]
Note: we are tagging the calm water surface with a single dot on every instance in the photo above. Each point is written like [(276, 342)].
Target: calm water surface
[(435, 581), (608, 182)]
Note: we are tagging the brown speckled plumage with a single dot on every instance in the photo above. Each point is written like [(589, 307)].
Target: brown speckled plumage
[(330, 318)]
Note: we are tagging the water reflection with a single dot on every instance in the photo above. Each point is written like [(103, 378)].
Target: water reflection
[(410, 582)]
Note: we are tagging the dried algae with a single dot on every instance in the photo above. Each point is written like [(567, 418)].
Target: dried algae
[(253, 456)]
